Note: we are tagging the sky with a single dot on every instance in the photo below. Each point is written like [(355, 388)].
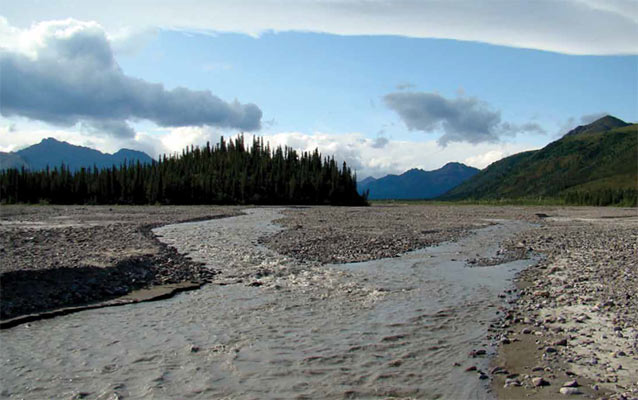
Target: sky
[(383, 85)]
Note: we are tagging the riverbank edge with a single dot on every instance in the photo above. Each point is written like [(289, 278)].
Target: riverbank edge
[(521, 354), (137, 291), (154, 293), (539, 349)]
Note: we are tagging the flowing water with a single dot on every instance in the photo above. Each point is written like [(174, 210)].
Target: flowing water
[(271, 327)]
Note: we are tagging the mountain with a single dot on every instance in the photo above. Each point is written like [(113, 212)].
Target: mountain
[(592, 164), (417, 183), (366, 181), (51, 152), (11, 160), (126, 155), (603, 124)]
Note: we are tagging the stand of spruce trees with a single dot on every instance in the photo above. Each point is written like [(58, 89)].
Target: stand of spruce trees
[(228, 173)]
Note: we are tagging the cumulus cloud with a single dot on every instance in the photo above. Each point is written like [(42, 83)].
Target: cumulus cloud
[(380, 142), (64, 73), (570, 26), (396, 156), (463, 119), (484, 159), (118, 129), (359, 151)]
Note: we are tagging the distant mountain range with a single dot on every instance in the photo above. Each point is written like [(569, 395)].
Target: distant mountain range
[(51, 152), (417, 183), (592, 164)]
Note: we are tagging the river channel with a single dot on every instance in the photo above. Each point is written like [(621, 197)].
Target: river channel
[(271, 327)]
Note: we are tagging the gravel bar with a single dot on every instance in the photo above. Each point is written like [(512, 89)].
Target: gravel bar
[(64, 256)]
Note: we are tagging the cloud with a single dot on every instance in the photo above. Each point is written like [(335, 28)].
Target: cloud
[(464, 119), (360, 152), (597, 27), (119, 129), (380, 142), (528, 127), (64, 73), (482, 160), (405, 85), (178, 139), (396, 156)]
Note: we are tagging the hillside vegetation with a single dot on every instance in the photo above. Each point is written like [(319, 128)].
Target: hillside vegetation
[(595, 164)]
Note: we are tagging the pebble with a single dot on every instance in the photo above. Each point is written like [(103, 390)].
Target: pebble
[(512, 382), (570, 391), (538, 382), (550, 350), (476, 353)]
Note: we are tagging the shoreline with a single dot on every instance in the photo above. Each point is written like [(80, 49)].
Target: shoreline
[(573, 328), (153, 293)]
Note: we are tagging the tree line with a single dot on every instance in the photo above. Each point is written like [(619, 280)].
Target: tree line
[(603, 197), (227, 173)]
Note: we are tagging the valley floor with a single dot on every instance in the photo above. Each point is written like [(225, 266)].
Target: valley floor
[(575, 319)]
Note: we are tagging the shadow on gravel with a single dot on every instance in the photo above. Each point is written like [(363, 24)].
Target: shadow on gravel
[(34, 291), (25, 292)]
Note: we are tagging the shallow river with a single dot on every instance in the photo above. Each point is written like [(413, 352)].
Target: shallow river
[(273, 328)]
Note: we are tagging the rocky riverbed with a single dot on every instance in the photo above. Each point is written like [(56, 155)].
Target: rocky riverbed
[(60, 256), (574, 329), (570, 327), (350, 234), (270, 326)]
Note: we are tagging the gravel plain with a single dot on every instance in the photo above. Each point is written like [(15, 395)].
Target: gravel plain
[(574, 316)]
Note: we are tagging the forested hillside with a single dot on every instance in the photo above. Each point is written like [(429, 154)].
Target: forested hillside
[(228, 173), (595, 164)]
